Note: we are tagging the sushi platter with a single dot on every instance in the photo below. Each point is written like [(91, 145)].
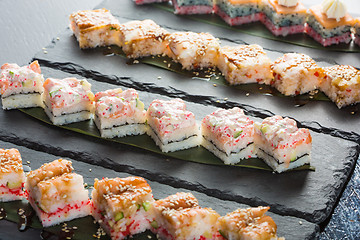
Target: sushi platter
[(301, 202)]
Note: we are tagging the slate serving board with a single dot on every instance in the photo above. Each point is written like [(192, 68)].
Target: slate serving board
[(306, 195), (286, 225)]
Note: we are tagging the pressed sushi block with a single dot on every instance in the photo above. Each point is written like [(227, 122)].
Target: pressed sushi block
[(245, 64), (68, 100), (329, 23), (119, 113), (179, 216), (171, 126), (229, 134), (342, 84), (12, 175), (284, 17), (95, 28), (142, 38), (250, 223), (281, 144), (193, 50), (193, 7), (357, 31), (122, 206), (140, 2), (295, 74), (56, 194), (21, 87), (237, 12)]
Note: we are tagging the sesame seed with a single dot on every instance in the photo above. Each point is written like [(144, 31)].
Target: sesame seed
[(43, 48), (58, 38), (300, 222), (225, 99), (214, 85), (217, 101), (158, 77), (45, 52), (28, 162), (352, 113), (136, 61), (247, 94), (90, 170)]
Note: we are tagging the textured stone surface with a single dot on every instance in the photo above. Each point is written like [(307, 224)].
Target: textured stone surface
[(305, 194), (289, 227)]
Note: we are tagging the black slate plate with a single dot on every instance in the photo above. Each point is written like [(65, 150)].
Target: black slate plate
[(305, 194), (288, 227)]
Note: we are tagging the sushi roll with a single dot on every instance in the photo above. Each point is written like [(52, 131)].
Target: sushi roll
[(119, 113), (142, 38), (229, 135), (56, 194), (12, 177), (180, 217), (95, 28), (296, 73), (342, 85), (193, 7), (280, 143), (140, 2), (357, 31), (329, 23), (238, 12), (193, 50), (21, 87), (250, 223), (68, 100), (171, 126), (284, 17), (122, 205), (245, 64)]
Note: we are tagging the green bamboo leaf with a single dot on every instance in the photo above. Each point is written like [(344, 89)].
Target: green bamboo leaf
[(197, 154), (259, 30)]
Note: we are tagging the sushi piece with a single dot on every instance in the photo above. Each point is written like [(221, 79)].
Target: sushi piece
[(12, 177), (119, 113), (245, 64), (342, 85), (357, 31), (56, 194), (140, 2), (68, 100), (295, 74), (193, 50), (229, 135), (284, 17), (21, 87), (280, 143), (193, 7), (95, 28), (329, 23), (180, 217), (238, 12), (171, 126), (142, 38), (122, 205), (250, 223)]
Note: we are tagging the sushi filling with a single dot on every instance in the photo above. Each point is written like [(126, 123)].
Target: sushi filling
[(277, 160), (22, 100), (237, 15), (232, 152), (344, 38), (193, 7)]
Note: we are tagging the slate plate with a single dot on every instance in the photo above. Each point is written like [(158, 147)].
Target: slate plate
[(306, 194), (288, 227)]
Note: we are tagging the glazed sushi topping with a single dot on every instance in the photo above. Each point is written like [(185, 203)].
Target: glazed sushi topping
[(93, 18), (283, 132), (250, 223), (288, 3), (171, 115), (243, 52), (343, 76), (49, 170), (68, 91), (115, 103), (334, 9), (10, 161), (294, 61), (139, 30), (229, 124), (13, 78)]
